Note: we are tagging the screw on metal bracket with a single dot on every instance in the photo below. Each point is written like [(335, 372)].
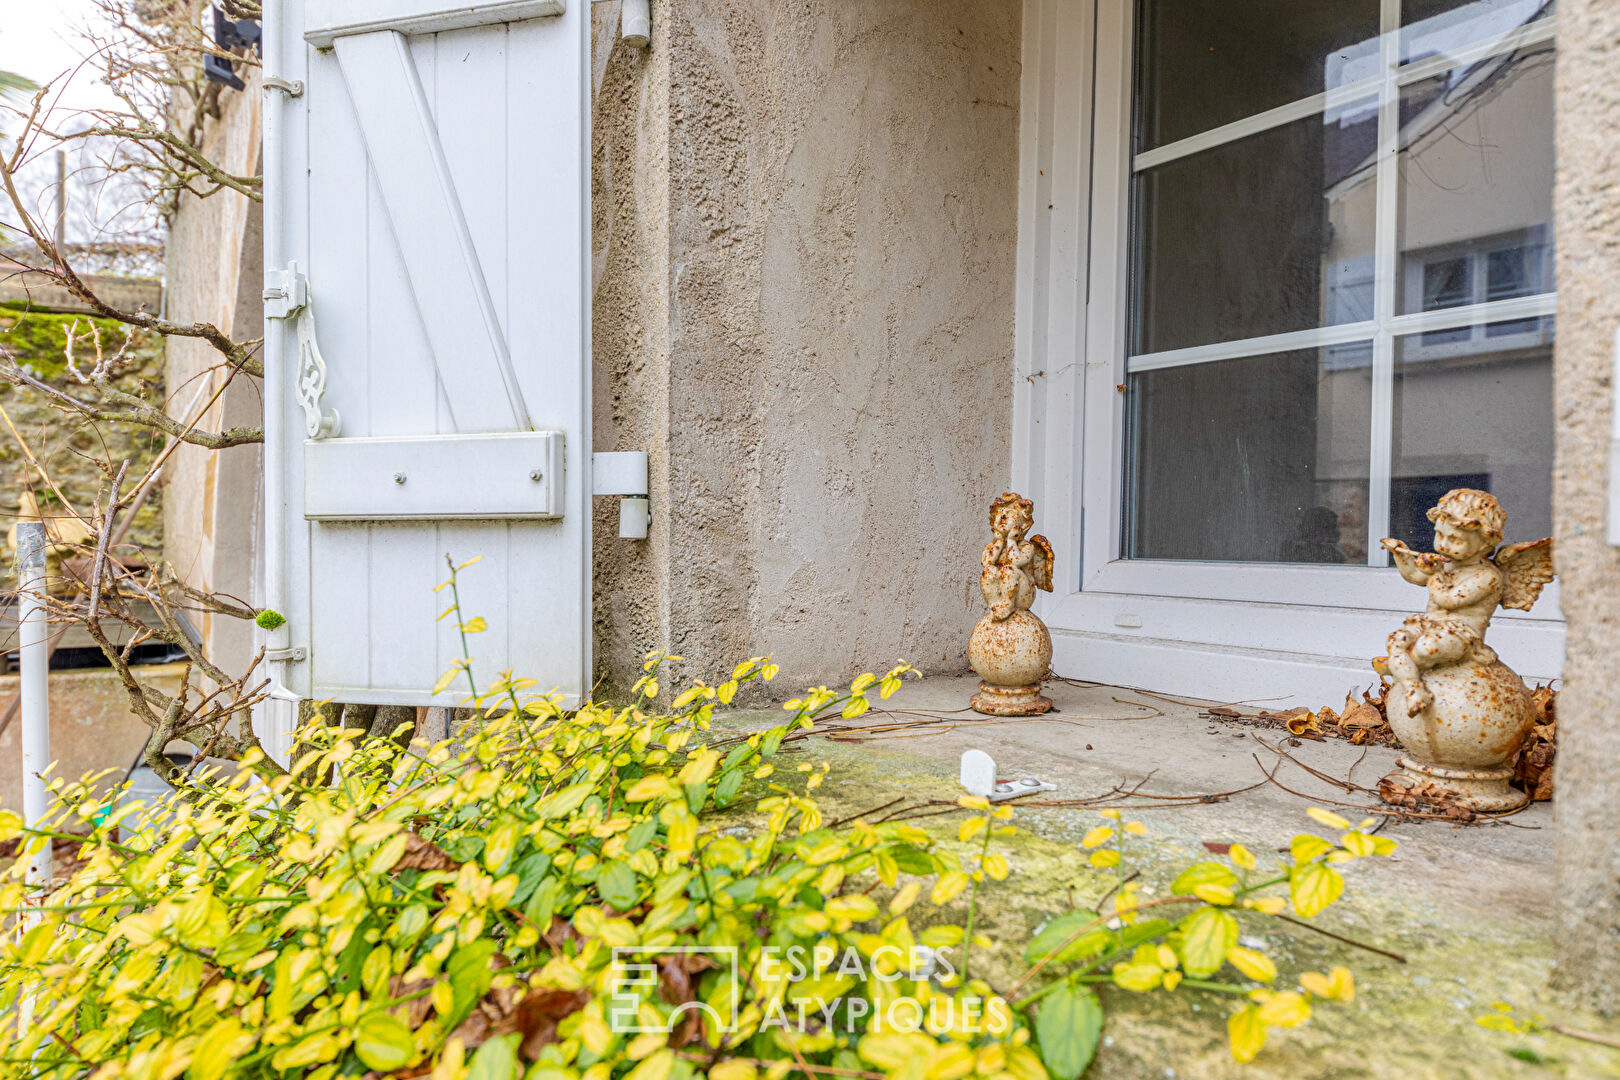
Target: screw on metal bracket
[(399, 478)]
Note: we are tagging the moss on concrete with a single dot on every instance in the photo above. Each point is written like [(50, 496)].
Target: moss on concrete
[(1413, 1022)]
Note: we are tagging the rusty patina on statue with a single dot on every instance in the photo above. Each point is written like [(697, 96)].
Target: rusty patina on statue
[(1458, 710), (1010, 647)]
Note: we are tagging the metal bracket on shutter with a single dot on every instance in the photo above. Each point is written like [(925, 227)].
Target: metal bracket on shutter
[(286, 296)]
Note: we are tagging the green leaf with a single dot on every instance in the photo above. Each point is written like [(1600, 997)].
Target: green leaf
[(912, 859), (563, 802), (383, 1042), (640, 835), (270, 620), (1313, 887), (1059, 930), (616, 883), (1206, 935), (543, 904), (737, 756), (470, 975), (728, 786), (531, 870), (1067, 1028), (1144, 930), (1204, 873), (495, 1060)]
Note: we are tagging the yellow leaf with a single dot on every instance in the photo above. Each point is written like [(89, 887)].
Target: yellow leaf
[(1104, 859), (905, 897), (1213, 894), (970, 828), (445, 680), (1307, 846), (469, 562), (1338, 985), (1383, 845), (1097, 837), (995, 867), (1242, 856), (1313, 887), (726, 691), (887, 688), (687, 697), (948, 886), (861, 683), (1136, 828), (1328, 818), (1137, 978), (769, 672), (1172, 979), (1270, 905), (973, 802), (656, 1067), (1256, 965), (475, 625), (1246, 1033), (734, 1070), (856, 707), (1358, 844), (1110, 813), (650, 787), (1287, 1009)]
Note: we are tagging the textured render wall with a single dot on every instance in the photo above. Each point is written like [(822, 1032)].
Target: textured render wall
[(842, 217), (1588, 224), (630, 328), (213, 274)]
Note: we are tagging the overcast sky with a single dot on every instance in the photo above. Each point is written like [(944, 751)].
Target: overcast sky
[(40, 39)]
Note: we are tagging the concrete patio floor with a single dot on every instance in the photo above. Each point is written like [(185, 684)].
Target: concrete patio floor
[(1468, 905)]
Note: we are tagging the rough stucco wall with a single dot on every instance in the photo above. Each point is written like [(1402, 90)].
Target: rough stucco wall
[(842, 232), (1588, 224), (213, 274), (630, 329)]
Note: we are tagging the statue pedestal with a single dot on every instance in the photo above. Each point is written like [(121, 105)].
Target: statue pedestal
[(1485, 790), (1011, 658), (1461, 745)]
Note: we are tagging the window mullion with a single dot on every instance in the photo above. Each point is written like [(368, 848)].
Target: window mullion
[(1381, 441)]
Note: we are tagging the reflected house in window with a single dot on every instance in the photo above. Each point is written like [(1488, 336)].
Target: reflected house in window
[(1472, 402)]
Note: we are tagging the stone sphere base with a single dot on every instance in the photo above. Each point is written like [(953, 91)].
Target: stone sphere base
[(1484, 790), (1010, 700)]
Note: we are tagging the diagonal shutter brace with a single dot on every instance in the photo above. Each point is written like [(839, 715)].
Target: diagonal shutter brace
[(286, 296)]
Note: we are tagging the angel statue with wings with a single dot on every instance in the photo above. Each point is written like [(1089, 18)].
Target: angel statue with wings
[(1010, 647), (1468, 576)]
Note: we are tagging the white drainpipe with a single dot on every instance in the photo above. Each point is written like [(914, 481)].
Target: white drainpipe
[(34, 685)]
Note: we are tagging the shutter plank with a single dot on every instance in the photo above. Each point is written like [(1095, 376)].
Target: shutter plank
[(430, 229)]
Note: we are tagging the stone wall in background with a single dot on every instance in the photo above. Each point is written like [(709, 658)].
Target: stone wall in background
[(71, 447)]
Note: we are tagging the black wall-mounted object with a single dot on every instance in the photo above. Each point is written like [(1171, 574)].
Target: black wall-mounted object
[(230, 35)]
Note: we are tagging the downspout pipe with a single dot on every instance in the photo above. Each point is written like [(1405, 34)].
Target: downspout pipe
[(34, 687), (275, 503)]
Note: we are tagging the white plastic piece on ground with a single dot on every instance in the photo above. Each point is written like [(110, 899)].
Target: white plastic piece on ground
[(978, 773), (1014, 788)]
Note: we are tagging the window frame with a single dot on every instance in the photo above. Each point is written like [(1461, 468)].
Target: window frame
[(1069, 411)]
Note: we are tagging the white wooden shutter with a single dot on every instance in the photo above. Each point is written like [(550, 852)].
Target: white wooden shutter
[(427, 193)]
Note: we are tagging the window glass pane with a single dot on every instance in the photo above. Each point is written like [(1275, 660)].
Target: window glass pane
[(1476, 176), (1260, 459), (1204, 63), (1253, 237), (1474, 411), (1441, 27)]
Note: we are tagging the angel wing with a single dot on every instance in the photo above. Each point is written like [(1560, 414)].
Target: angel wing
[(1526, 569), (1043, 563)]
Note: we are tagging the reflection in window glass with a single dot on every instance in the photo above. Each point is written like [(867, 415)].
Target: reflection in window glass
[(1204, 63), (1441, 27), (1260, 459), (1211, 266), (1474, 412), (1476, 177)]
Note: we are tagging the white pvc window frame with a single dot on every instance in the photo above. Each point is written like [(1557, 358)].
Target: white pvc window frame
[(1102, 567), (1180, 625)]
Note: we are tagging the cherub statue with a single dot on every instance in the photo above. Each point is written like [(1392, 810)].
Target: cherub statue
[(1468, 576), (1010, 647), (1013, 566)]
